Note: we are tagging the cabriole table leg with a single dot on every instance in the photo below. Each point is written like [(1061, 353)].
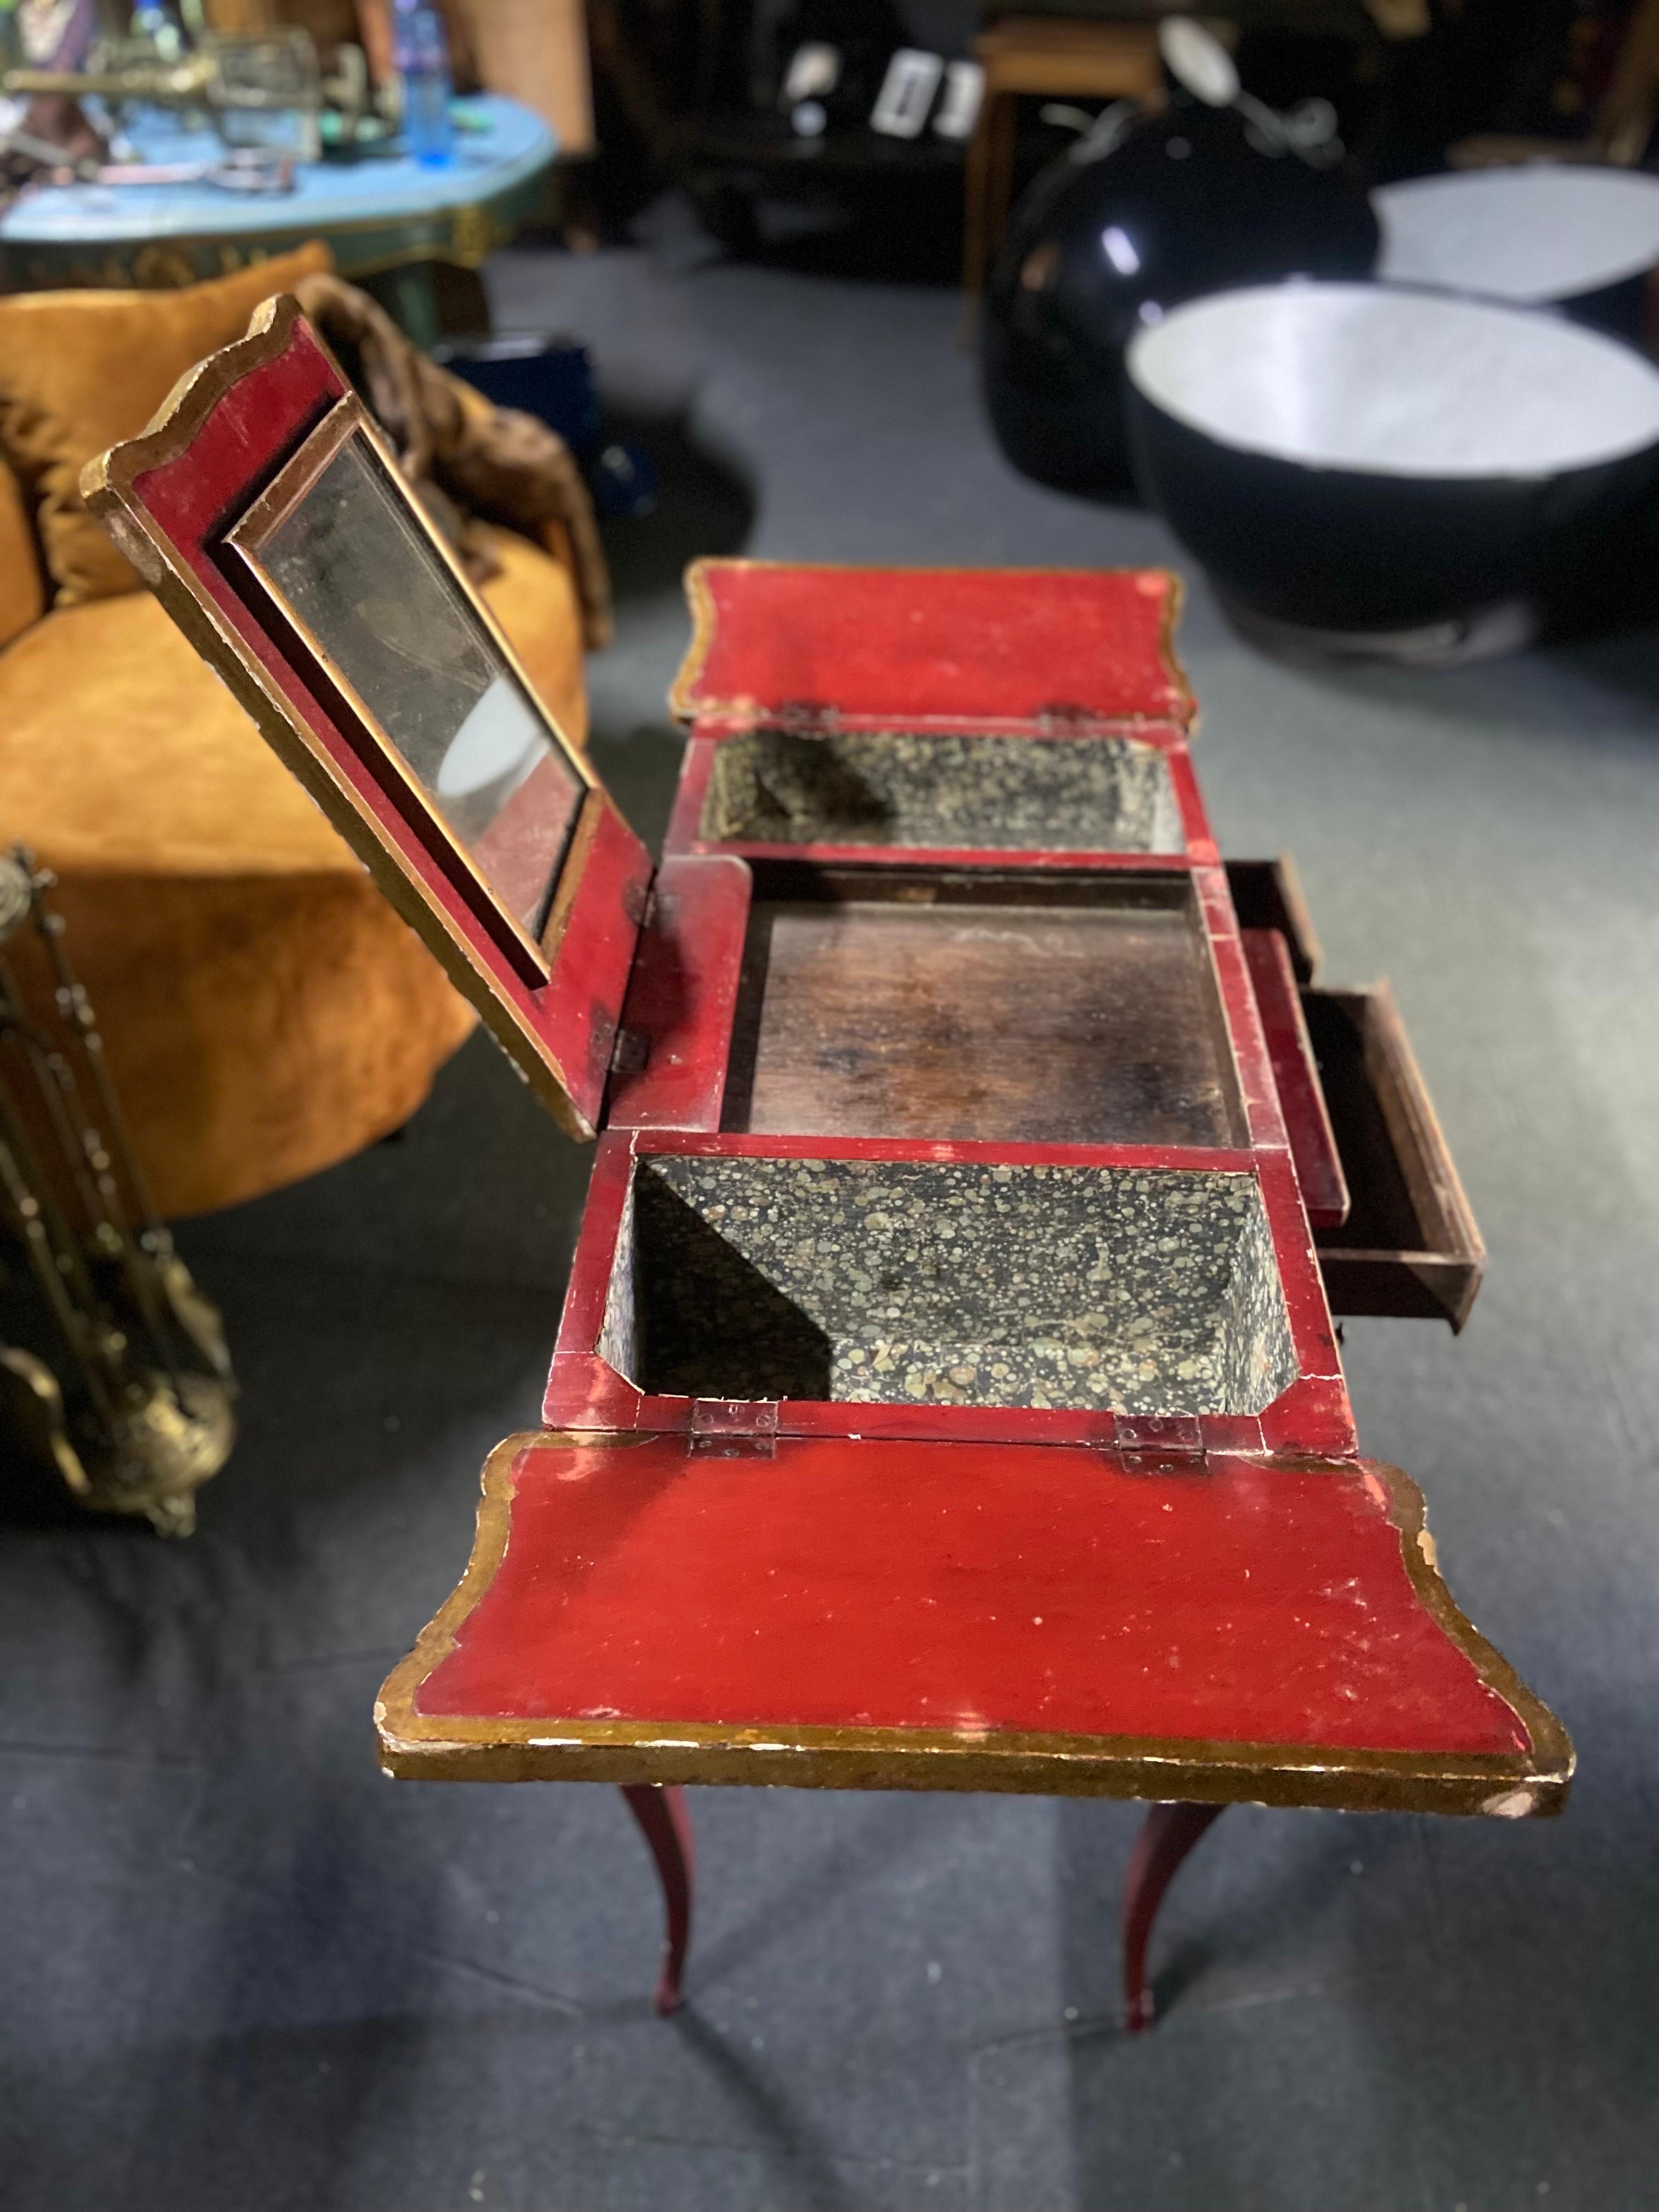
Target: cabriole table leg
[(659, 1808), (1168, 1833)]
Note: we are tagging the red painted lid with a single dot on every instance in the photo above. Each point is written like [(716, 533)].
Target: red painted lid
[(978, 1591), (1024, 648), (274, 524)]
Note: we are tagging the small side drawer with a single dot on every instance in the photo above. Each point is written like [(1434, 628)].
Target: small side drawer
[(1268, 895), (1410, 1244)]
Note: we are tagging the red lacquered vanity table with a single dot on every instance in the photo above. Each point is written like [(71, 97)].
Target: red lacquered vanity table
[(947, 1394)]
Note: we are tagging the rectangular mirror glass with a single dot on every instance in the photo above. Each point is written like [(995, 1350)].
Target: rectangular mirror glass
[(339, 544)]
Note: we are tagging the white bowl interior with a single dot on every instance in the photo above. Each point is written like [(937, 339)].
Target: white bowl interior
[(1396, 383), (1547, 231)]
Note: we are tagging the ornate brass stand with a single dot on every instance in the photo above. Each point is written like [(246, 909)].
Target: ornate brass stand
[(113, 1371)]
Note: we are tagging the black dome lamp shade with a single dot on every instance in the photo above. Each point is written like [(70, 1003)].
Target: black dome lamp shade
[(1144, 212)]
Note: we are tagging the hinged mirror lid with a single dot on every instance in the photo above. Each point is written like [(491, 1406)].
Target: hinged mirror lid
[(920, 648), (267, 512)]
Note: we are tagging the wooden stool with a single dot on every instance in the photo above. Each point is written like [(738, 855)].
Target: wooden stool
[(1056, 58)]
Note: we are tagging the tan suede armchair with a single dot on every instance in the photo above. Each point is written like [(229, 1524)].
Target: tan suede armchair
[(264, 1011)]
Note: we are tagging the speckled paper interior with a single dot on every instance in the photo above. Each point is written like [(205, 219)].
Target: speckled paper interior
[(898, 787), (1140, 1291)]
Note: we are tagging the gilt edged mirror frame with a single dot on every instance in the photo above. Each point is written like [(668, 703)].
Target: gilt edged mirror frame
[(267, 512), (371, 600)]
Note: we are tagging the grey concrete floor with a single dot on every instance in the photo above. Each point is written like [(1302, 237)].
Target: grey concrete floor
[(243, 1971)]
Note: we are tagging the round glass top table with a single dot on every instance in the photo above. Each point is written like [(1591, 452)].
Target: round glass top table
[(387, 217)]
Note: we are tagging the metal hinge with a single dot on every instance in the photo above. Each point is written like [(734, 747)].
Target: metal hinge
[(1161, 1443), (636, 902), (1065, 714), (629, 1051), (735, 1428), (804, 717)]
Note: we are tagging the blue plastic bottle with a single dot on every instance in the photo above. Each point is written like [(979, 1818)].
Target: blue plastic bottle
[(420, 54)]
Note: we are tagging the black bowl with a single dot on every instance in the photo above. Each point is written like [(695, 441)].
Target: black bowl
[(1546, 233), (1362, 461), (1116, 232)]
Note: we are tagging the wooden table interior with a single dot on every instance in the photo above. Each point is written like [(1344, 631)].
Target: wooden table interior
[(919, 1005)]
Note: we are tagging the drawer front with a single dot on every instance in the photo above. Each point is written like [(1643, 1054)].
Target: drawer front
[(1268, 895), (1410, 1245), (1301, 1097)]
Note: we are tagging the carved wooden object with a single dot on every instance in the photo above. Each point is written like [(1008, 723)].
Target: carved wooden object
[(947, 1394)]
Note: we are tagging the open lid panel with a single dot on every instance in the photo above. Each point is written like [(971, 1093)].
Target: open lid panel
[(1015, 650), (269, 517), (964, 1616)]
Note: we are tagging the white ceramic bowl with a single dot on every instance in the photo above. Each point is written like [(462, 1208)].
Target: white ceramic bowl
[(1358, 458), (1546, 233)]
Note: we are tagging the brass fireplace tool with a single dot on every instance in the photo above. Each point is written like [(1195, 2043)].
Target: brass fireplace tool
[(115, 1377)]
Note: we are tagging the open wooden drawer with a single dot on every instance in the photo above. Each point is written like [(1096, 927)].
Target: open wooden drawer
[(1410, 1244)]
